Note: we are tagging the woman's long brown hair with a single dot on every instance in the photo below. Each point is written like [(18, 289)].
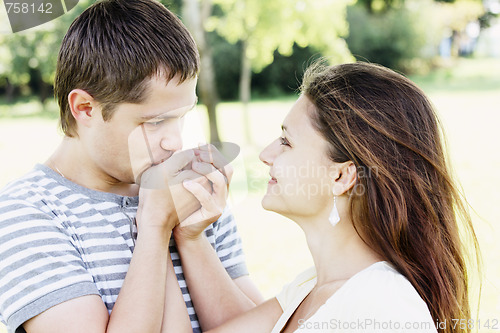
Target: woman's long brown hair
[(405, 204)]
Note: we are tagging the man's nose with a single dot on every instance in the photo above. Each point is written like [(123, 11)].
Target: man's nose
[(172, 138)]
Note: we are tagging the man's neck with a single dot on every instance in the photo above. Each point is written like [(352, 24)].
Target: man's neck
[(71, 162)]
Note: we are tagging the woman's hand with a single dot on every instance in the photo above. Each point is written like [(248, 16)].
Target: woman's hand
[(212, 164), (163, 200)]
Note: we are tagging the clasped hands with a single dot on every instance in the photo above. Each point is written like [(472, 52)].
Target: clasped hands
[(187, 192)]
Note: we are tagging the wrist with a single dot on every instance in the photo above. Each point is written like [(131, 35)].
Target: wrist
[(148, 218), (183, 237), (153, 237), (154, 230)]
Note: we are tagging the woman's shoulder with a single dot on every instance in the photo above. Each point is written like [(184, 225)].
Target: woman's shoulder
[(380, 293), (381, 284)]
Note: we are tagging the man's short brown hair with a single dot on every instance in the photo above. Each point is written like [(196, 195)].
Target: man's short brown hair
[(113, 47)]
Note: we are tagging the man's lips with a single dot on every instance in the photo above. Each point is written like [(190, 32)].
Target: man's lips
[(160, 162), (228, 151)]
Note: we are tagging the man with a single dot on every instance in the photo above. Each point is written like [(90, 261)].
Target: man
[(69, 261)]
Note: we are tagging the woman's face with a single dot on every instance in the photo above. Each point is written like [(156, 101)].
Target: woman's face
[(300, 184)]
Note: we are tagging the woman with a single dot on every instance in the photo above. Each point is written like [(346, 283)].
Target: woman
[(361, 168)]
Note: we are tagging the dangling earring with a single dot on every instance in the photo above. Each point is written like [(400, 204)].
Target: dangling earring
[(334, 215)]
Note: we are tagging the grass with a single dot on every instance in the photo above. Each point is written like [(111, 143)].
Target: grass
[(466, 97)]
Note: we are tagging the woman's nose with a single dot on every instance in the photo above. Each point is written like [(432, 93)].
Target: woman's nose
[(269, 153)]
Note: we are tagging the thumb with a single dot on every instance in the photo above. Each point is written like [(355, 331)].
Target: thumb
[(160, 176)]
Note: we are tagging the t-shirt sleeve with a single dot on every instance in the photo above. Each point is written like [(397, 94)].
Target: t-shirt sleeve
[(40, 265), (228, 245)]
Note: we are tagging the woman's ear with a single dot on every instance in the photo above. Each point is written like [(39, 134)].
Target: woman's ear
[(345, 179), (82, 106)]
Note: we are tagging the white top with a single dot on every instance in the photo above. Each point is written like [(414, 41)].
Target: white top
[(377, 299)]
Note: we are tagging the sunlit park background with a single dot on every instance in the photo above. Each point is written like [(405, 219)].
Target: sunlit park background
[(257, 51)]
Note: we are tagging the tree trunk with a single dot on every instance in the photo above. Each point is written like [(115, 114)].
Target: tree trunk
[(45, 93), (208, 94), (245, 90), (195, 17), (9, 91)]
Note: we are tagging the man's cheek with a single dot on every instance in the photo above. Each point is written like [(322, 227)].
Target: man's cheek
[(139, 152)]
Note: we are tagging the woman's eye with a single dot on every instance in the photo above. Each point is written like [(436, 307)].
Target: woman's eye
[(284, 141)]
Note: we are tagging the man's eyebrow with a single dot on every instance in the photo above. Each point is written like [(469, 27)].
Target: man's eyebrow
[(172, 113)]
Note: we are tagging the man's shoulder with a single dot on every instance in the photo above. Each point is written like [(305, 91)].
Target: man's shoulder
[(35, 181), (24, 197)]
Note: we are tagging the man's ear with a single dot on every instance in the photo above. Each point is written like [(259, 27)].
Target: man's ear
[(345, 178), (82, 106)]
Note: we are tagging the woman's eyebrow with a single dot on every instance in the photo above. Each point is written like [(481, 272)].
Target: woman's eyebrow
[(285, 129)]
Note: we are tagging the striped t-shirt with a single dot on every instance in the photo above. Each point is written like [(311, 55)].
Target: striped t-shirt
[(59, 240)]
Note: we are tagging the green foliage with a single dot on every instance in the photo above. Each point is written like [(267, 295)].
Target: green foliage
[(395, 37), (227, 64), (455, 16), (379, 5), (32, 54), (267, 26), (284, 75), (173, 5), (406, 36)]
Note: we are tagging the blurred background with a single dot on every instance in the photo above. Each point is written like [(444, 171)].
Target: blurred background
[(254, 54)]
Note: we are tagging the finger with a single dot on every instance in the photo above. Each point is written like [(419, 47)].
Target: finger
[(163, 174), (203, 196), (194, 176), (211, 173), (203, 168), (219, 182), (228, 150), (210, 154)]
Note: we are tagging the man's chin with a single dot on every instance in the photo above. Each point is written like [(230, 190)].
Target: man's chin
[(151, 177), (138, 172)]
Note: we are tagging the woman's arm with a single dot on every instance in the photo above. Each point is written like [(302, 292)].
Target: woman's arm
[(216, 297), (259, 319)]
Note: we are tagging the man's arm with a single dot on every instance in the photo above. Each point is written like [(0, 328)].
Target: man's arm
[(140, 304), (175, 317)]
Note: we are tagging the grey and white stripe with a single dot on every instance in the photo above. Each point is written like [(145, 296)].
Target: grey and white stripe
[(59, 240)]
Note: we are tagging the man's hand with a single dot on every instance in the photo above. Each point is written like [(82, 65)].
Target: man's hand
[(162, 197)]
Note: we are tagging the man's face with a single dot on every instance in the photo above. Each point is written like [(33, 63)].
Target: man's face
[(139, 136)]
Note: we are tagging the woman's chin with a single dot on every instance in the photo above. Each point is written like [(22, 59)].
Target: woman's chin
[(267, 203), (271, 204)]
